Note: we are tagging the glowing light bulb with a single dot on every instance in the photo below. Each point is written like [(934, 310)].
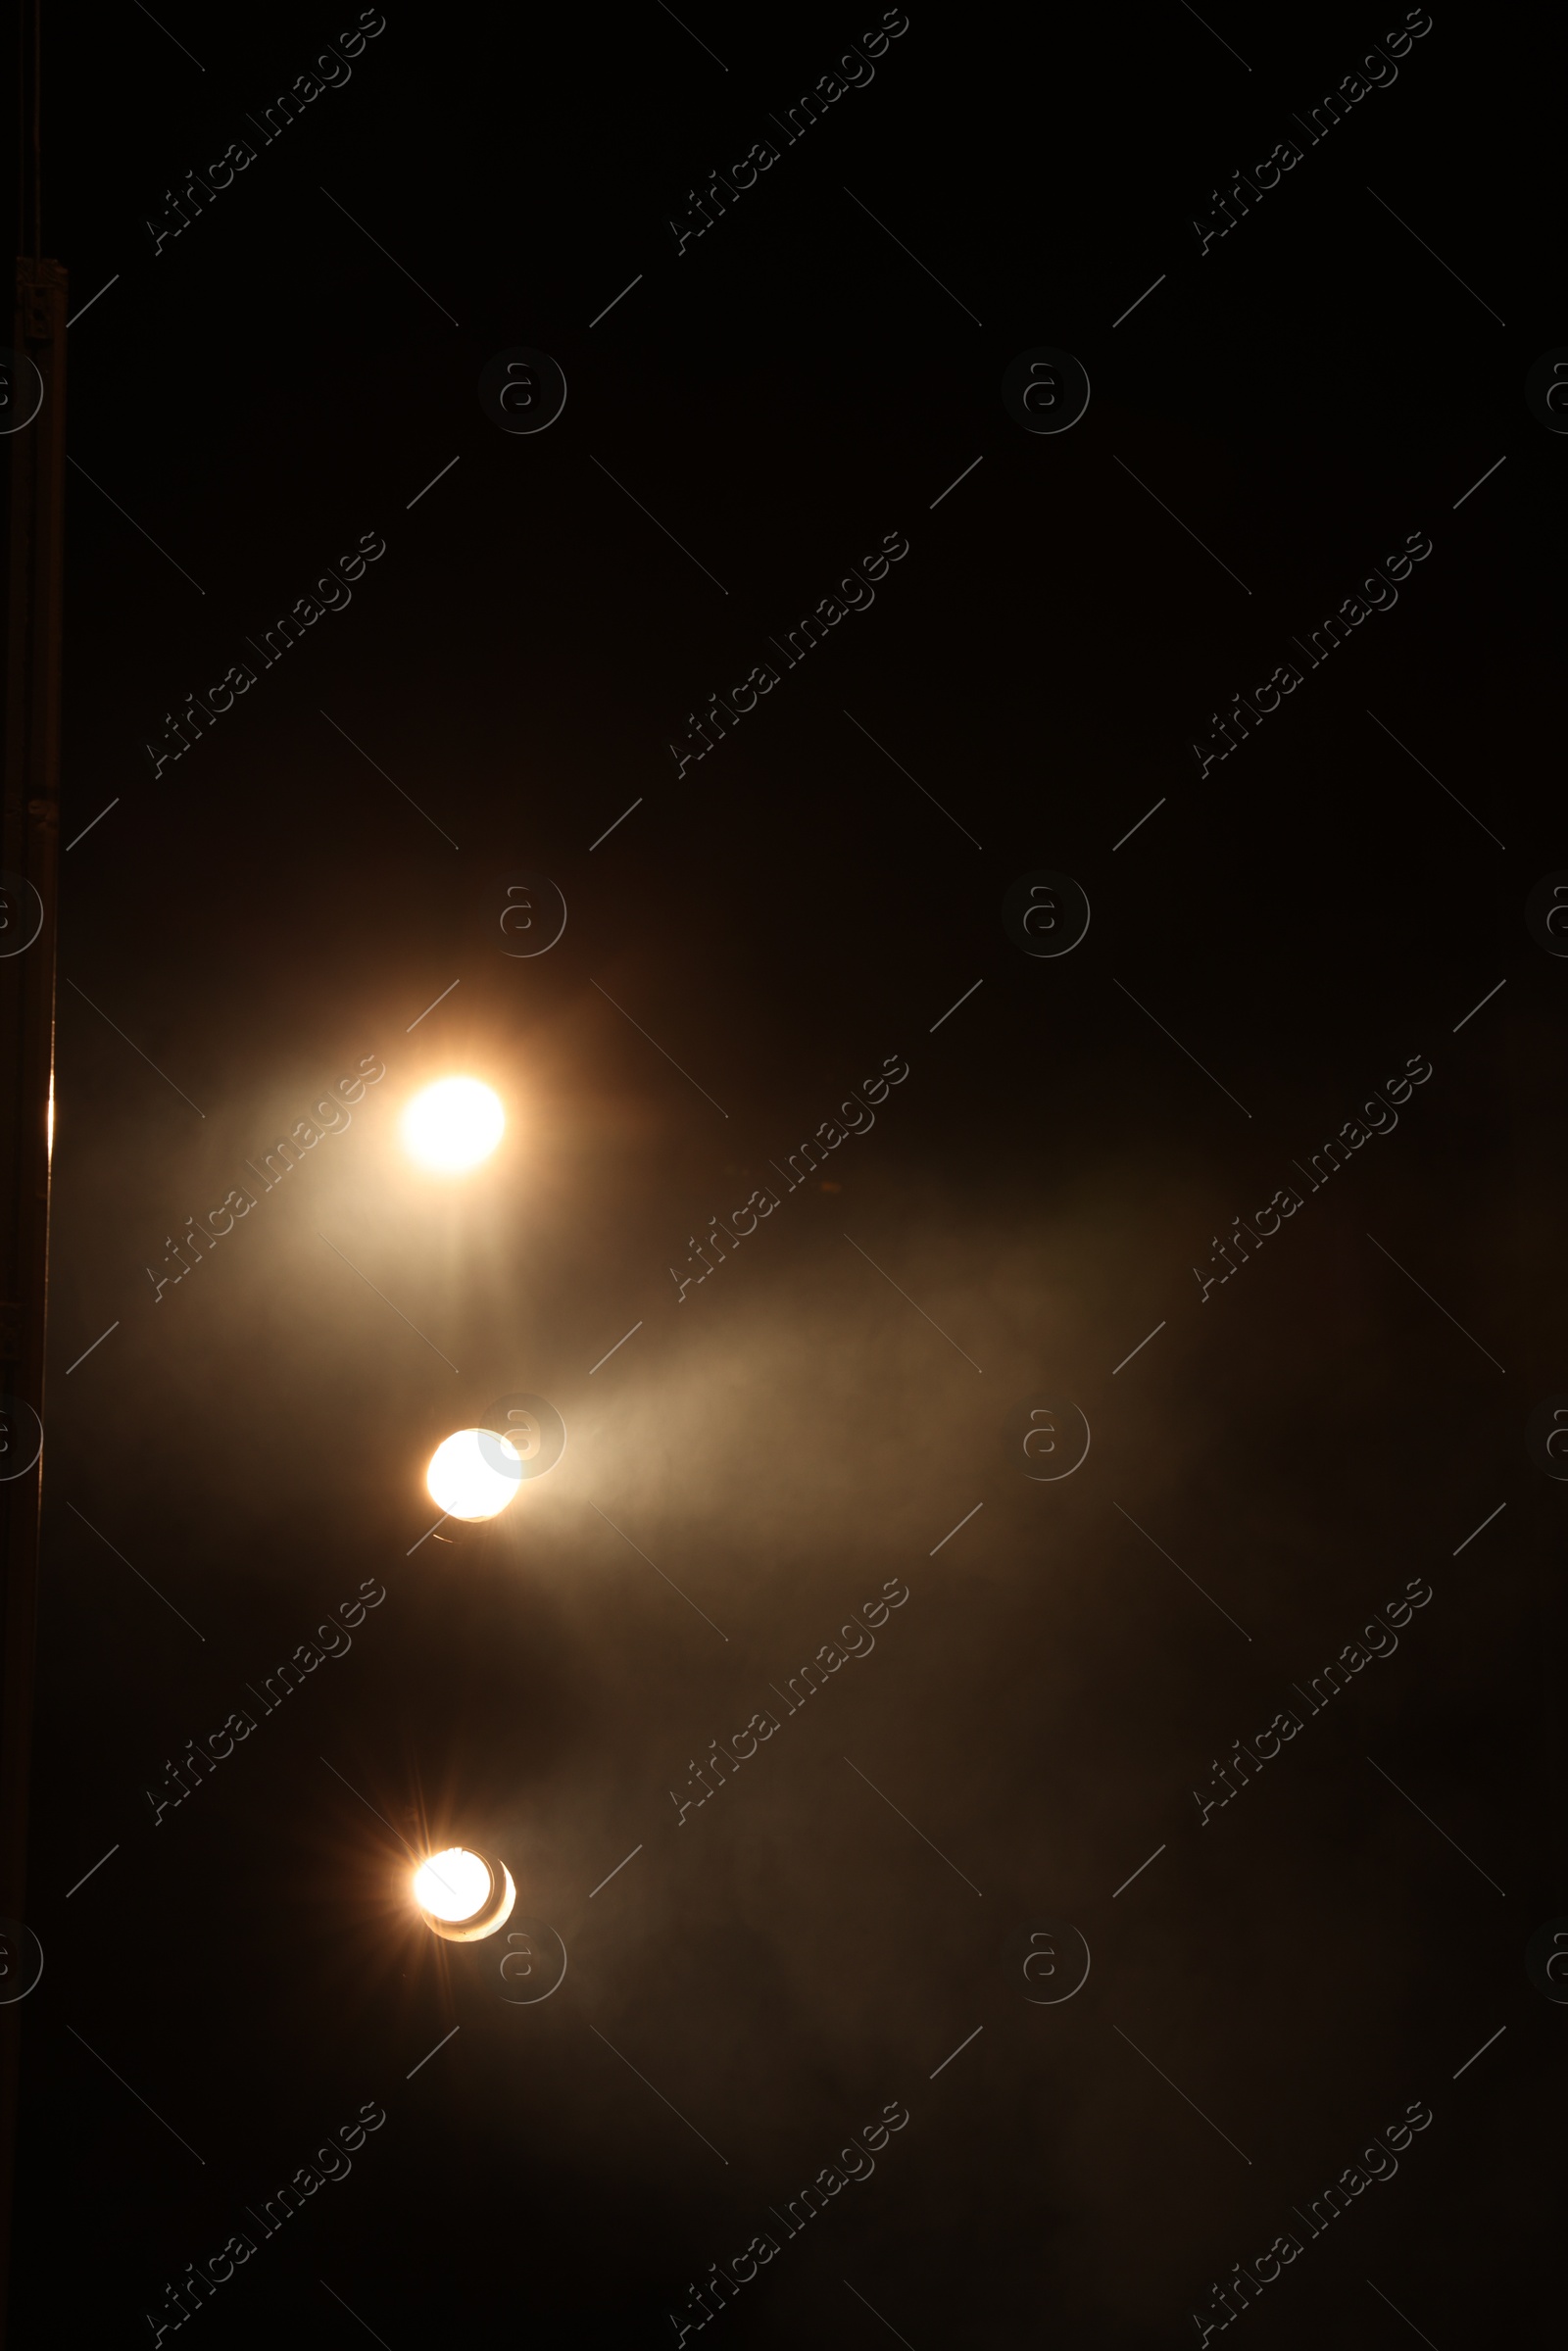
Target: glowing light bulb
[(462, 1895), (454, 1884), (453, 1125), (474, 1473)]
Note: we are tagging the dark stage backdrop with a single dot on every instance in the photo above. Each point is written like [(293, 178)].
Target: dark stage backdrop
[(934, 643)]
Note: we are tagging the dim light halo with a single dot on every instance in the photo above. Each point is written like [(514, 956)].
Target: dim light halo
[(453, 1125), (474, 1473), (462, 1895)]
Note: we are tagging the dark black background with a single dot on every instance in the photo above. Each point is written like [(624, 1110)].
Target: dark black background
[(263, 913)]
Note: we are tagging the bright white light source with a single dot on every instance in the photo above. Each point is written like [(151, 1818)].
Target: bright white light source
[(474, 1473), (454, 1884), (464, 1897), (454, 1125)]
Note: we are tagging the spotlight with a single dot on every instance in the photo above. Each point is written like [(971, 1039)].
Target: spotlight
[(462, 1896), (454, 1125), (474, 1473)]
